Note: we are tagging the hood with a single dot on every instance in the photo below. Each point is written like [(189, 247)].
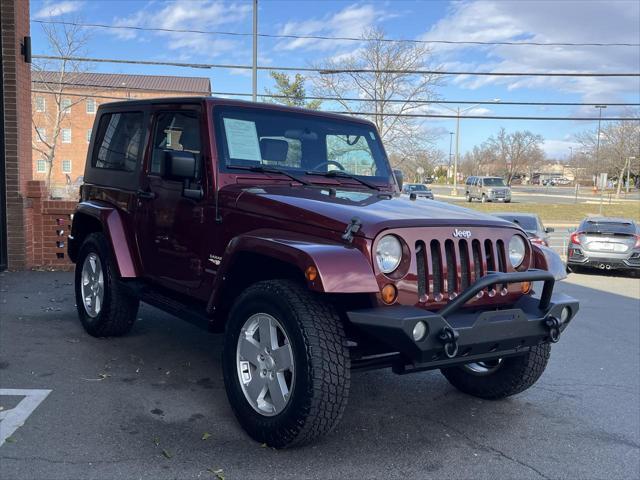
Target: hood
[(333, 209)]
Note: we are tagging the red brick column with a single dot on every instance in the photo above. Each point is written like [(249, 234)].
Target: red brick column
[(14, 26)]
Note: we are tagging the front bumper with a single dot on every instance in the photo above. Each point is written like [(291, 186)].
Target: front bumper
[(455, 336)]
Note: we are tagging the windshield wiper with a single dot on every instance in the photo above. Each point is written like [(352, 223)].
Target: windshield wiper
[(341, 174), (263, 169)]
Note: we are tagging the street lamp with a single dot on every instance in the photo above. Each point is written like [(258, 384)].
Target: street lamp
[(458, 113), (599, 107), (450, 145)]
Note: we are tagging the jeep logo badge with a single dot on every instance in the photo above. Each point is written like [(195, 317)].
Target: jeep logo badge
[(462, 233)]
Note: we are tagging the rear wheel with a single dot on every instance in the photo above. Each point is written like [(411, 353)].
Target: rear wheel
[(103, 306), (500, 378), (286, 365), (468, 195)]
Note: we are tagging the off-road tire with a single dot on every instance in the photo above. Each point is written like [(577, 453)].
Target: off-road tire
[(321, 358), (119, 310), (515, 375)]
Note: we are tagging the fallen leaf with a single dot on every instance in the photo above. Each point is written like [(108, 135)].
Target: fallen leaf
[(219, 473), (206, 435), (166, 453), (10, 440), (156, 441)]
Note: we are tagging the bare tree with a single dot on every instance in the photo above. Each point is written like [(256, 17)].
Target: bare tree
[(477, 161), (516, 152), (54, 78), (380, 74), (618, 142)]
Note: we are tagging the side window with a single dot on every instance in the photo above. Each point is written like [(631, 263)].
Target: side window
[(175, 131), (119, 141), (352, 152)]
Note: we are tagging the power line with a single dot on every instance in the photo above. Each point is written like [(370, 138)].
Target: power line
[(412, 115), (350, 39), (334, 71), (346, 99)]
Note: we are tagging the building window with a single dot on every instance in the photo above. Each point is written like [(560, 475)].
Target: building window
[(41, 166), (66, 166), (89, 135), (41, 134), (66, 135), (65, 104), (91, 105), (40, 104)]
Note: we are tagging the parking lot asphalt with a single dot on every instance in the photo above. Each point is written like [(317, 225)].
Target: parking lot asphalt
[(140, 406)]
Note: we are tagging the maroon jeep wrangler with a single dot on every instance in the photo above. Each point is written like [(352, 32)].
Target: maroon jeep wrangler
[(285, 229)]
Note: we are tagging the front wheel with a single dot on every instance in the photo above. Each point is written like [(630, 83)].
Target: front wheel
[(484, 198), (286, 364), (500, 378)]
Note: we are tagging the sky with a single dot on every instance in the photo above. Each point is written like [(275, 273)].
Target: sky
[(545, 21)]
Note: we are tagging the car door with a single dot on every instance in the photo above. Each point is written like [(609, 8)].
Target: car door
[(170, 218)]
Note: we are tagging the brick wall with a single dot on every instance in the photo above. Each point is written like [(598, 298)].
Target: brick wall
[(14, 26), (51, 221)]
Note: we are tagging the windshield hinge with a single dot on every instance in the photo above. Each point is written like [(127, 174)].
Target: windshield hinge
[(352, 228)]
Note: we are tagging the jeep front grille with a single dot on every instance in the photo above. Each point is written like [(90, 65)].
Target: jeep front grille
[(448, 267)]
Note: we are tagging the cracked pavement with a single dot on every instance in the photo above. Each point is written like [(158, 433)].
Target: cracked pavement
[(138, 406)]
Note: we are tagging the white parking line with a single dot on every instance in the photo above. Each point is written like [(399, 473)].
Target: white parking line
[(14, 418)]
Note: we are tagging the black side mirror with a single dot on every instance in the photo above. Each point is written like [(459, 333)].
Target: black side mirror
[(549, 229), (399, 178), (180, 165)]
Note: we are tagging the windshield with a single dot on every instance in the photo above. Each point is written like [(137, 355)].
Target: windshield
[(493, 182), (417, 188), (529, 224), (295, 142)]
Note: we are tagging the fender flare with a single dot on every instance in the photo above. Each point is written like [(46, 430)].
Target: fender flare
[(545, 258), (114, 228), (341, 268)]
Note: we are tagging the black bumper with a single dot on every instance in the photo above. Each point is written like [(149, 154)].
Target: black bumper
[(457, 336)]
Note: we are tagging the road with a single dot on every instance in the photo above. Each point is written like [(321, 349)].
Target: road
[(117, 404), (537, 194)]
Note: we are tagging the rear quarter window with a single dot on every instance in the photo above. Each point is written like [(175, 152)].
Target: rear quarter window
[(119, 141)]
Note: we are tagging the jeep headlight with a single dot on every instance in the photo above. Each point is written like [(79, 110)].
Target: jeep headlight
[(517, 250), (388, 253)]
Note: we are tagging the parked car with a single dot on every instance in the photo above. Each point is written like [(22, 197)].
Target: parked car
[(605, 243), (487, 189), (417, 189), (531, 224), (285, 230)]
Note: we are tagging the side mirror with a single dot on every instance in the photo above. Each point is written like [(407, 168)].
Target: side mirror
[(399, 178), (549, 229), (180, 165)]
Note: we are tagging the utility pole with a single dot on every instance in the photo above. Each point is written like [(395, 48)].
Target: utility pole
[(450, 146), (599, 107), (254, 79), (629, 160), (455, 165)]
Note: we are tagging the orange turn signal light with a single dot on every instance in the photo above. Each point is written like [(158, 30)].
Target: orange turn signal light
[(389, 293), (311, 273), (525, 287)]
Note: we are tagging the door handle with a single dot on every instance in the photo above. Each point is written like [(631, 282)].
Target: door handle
[(146, 194)]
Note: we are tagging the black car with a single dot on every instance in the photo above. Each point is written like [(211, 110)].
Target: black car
[(531, 224), (420, 190), (605, 243)]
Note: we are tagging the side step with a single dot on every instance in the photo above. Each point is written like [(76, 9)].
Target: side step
[(184, 308)]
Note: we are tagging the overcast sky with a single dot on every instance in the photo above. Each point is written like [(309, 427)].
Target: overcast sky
[(488, 21)]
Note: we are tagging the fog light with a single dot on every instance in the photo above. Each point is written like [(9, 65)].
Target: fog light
[(419, 331), (389, 293), (565, 314)]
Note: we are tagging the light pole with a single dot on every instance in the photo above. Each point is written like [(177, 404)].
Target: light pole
[(254, 70), (458, 113), (599, 107), (629, 160), (450, 145)]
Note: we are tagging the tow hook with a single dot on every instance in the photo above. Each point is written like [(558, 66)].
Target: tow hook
[(449, 337), (554, 329)]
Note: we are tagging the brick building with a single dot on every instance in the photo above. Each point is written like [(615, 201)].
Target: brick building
[(81, 93)]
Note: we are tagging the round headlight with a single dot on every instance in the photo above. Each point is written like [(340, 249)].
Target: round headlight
[(388, 253), (517, 250)]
